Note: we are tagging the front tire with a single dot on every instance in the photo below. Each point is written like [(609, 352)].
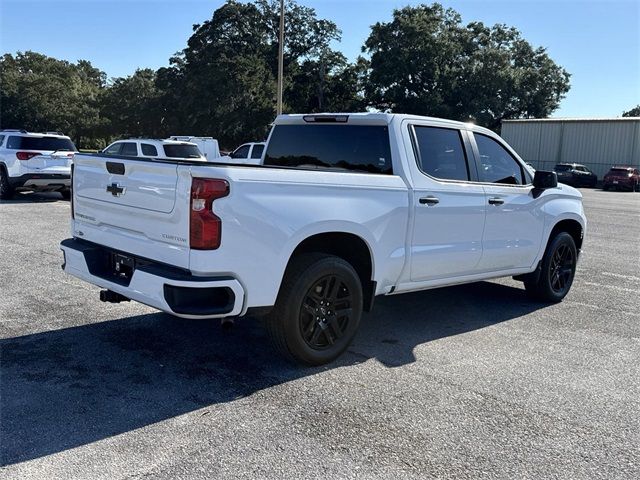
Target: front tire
[(6, 190), (66, 194), (557, 270), (318, 309)]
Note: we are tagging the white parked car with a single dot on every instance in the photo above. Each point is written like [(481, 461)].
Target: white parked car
[(344, 208), (250, 153), (36, 162), (153, 148), (207, 145)]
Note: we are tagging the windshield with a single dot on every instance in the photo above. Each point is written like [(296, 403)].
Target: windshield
[(563, 168), (41, 143), (620, 171), (181, 151)]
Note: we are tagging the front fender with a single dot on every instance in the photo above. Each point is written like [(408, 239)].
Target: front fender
[(565, 204)]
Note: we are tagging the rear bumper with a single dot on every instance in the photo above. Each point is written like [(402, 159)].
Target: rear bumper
[(166, 288), (620, 183), (41, 181)]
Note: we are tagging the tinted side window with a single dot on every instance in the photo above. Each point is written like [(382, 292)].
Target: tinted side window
[(242, 152), (148, 149), (1, 139), (113, 149), (257, 151), (497, 164), (362, 148), (129, 148), (441, 153)]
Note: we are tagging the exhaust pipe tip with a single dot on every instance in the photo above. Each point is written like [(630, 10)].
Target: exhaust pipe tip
[(112, 297)]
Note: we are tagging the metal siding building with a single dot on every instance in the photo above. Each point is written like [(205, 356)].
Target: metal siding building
[(597, 143)]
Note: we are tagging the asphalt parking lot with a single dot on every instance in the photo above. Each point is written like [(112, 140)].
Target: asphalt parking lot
[(474, 381)]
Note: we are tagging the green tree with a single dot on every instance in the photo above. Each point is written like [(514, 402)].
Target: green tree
[(41, 93), (634, 112), (226, 77), (425, 61), (326, 84), (133, 105)]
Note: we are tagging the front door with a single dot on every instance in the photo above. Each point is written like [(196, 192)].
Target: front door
[(514, 222)]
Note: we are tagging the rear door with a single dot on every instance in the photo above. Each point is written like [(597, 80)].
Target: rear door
[(515, 222), (138, 206), (449, 208)]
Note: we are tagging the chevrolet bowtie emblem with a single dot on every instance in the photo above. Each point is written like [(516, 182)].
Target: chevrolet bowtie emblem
[(115, 190)]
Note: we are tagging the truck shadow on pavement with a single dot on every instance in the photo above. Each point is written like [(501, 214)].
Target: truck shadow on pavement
[(66, 388), (39, 197)]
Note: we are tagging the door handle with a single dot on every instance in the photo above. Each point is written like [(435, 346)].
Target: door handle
[(430, 200), (496, 201)]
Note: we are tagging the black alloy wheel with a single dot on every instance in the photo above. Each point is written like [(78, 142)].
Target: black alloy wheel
[(553, 280), (326, 312), (318, 309), (562, 269)]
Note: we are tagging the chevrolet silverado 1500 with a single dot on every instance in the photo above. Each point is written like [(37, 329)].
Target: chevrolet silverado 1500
[(343, 208)]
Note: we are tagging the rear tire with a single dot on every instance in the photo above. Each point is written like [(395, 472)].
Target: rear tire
[(6, 190), (318, 309), (557, 270), (66, 194)]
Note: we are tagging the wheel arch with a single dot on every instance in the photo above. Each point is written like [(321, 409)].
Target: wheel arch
[(572, 227), (348, 246)]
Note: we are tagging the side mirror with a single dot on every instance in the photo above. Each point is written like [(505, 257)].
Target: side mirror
[(543, 180)]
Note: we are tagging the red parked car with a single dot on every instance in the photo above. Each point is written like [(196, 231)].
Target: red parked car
[(627, 178)]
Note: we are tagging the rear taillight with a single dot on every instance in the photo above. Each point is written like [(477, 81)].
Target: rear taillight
[(205, 228), (26, 155)]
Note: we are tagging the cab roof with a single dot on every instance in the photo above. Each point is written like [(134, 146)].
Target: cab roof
[(371, 118)]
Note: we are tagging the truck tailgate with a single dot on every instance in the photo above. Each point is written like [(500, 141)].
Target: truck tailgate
[(130, 205)]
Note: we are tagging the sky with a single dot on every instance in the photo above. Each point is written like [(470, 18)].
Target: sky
[(597, 41)]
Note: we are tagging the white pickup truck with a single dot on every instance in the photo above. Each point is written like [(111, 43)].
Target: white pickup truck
[(345, 207)]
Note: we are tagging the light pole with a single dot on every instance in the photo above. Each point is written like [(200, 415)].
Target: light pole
[(280, 58)]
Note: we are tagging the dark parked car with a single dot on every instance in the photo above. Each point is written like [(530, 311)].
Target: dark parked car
[(627, 178), (575, 175)]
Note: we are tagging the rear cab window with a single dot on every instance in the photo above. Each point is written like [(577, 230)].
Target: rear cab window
[(353, 148), (41, 143), (181, 151)]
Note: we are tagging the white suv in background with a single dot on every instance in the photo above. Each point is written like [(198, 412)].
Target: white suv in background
[(35, 162), (150, 148), (207, 145), (250, 153)]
